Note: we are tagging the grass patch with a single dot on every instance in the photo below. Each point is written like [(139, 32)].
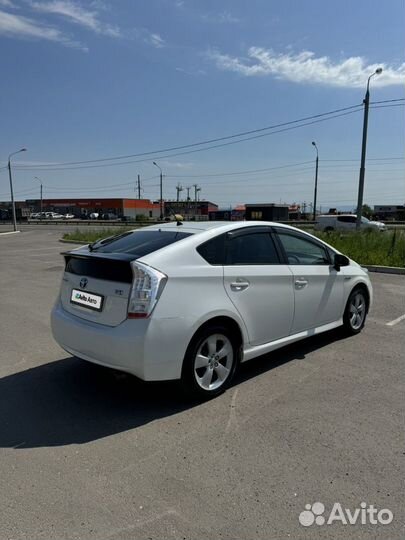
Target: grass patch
[(88, 236), (369, 247)]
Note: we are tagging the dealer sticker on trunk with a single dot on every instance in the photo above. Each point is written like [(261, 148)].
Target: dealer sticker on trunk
[(86, 299)]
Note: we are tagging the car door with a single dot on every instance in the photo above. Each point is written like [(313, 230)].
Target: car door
[(259, 285), (318, 286)]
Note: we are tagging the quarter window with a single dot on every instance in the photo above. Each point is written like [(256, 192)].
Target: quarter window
[(254, 248), (213, 251), (300, 250)]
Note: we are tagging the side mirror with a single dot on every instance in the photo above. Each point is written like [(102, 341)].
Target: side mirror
[(340, 260)]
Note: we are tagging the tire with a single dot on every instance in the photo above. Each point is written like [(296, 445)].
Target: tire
[(355, 313), (215, 371)]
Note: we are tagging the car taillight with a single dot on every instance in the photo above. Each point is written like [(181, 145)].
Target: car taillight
[(147, 286)]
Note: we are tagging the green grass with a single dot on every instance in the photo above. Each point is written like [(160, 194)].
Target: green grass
[(88, 236), (380, 248), (369, 247)]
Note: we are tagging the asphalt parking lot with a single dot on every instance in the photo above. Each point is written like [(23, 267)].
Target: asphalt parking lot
[(87, 453)]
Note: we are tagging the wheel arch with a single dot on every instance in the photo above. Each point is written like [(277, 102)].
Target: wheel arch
[(222, 320)]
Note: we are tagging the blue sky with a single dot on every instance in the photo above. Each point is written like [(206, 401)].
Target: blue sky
[(94, 79)]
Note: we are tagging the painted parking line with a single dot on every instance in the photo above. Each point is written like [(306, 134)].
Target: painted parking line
[(396, 321)]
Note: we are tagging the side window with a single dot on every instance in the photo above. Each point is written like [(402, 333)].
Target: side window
[(254, 248), (300, 250), (347, 219), (213, 251)]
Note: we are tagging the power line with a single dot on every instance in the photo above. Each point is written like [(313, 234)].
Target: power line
[(386, 101), (37, 168), (210, 141)]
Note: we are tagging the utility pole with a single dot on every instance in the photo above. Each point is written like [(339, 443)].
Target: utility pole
[(139, 186), (196, 190), (316, 179), (366, 102), (40, 181), (11, 186), (161, 191), (179, 188)]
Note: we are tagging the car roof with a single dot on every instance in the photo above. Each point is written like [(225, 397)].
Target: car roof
[(196, 227), (336, 215)]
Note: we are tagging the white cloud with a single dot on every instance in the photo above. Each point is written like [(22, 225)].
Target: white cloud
[(155, 40), (305, 67), (16, 26), (7, 4), (77, 14)]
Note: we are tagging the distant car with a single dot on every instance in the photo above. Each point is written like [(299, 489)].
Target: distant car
[(69, 216), (345, 222), (35, 215), (108, 216), (53, 215), (191, 301), (94, 215)]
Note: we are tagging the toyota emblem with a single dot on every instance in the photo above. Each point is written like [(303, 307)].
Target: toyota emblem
[(83, 282)]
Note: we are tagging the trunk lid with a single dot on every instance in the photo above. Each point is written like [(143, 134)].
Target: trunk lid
[(104, 278)]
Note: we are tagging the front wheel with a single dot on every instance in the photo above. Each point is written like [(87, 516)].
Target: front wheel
[(356, 311), (210, 362)]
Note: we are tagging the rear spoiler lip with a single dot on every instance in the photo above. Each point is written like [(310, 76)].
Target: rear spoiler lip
[(124, 257)]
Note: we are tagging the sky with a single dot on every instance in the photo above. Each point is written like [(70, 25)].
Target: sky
[(97, 79)]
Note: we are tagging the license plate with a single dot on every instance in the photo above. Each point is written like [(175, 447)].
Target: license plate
[(86, 299)]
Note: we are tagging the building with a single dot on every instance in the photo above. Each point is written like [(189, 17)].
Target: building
[(190, 210), (22, 210), (294, 212), (130, 208), (228, 214), (266, 212), (390, 212)]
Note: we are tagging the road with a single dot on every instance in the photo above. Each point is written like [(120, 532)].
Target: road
[(88, 453)]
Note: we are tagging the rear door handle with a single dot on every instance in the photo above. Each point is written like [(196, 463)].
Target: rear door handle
[(239, 285), (301, 283)]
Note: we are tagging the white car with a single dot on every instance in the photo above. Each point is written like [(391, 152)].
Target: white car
[(345, 222), (190, 301), (53, 215)]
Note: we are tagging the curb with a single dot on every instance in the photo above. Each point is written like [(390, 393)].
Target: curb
[(9, 232), (72, 242), (384, 269)]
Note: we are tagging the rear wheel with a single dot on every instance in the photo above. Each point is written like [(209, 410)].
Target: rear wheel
[(210, 362), (356, 311)]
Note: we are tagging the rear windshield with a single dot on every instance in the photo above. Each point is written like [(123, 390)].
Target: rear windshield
[(138, 243)]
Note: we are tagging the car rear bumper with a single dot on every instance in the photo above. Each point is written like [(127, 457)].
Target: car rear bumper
[(153, 350)]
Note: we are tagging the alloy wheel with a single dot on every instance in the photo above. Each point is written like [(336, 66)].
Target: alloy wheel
[(357, 310), (214, 361)]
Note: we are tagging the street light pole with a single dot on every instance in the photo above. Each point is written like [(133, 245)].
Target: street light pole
[(40, 181), (161, 191), (366, 102), (316, 179), (11, 186)]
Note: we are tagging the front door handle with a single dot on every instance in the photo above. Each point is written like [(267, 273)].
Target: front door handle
[(239, 285), (300, 283)]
